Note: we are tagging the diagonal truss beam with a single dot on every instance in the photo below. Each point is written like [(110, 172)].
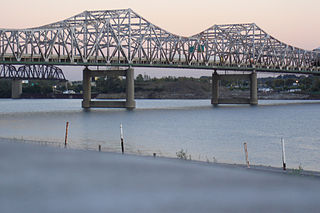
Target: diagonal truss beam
[(122, 37)]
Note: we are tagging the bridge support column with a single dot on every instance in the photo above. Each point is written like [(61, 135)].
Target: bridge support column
[(253, 89), (88, 74), (216, 78), (215, 88), (130, 102), (16, 88), (86, 84)]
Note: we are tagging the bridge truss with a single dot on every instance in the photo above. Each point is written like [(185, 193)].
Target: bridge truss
[(31, 72), (124, 38)]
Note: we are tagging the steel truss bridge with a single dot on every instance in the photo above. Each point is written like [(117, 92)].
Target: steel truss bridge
[(31, 72), (124, 38)]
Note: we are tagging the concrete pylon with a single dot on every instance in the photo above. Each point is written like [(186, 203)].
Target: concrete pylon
[(16, 88), (88, 74), (215, 88), (253, 100), (130, 102), (253, 89), (86, 83)]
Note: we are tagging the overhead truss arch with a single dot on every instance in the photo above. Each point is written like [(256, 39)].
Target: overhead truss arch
[(31, 72), (124, 38)]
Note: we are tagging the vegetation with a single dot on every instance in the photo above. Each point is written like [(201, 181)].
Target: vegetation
[(38, 87), (32, 87), (182, 155), (172, 87), (168, 87), (5, 88), (110, 85), (297, 171), (307, 84)]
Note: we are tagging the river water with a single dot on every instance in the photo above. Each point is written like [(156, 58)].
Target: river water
[(167, 126)]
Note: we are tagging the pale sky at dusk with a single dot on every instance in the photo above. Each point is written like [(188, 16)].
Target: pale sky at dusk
[(295, 22)]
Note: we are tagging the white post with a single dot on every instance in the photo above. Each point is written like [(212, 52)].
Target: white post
[(121, 139), (283, 155)]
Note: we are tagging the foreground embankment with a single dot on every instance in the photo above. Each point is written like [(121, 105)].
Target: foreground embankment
[(46, 179)]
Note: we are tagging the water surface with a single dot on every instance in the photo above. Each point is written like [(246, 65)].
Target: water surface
[(167, 126)]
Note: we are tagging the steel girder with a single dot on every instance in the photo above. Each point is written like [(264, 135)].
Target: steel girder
[(122, 37), (31, 72)]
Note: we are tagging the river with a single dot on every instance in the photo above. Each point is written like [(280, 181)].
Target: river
[(167, 126)]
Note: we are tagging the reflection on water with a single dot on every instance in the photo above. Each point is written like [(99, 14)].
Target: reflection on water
[(166, 126)]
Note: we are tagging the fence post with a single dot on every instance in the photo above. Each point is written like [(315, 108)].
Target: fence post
[(121, 139), (66, 136), (284, 166), (246, 153)]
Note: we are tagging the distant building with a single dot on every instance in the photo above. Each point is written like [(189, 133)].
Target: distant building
[(69, 92), (294, 90), (76, 83), (264, 89)]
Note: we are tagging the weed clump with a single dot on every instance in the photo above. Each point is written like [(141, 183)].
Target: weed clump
[(182, 155)]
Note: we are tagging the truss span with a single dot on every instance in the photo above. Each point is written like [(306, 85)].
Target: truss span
[(31, 72), (124, 38)]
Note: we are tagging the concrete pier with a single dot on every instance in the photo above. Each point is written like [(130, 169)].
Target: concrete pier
[(16, 88), (215, 88), (130, 102), (216, 78), (88, 74), (253, 89), (86, 88)]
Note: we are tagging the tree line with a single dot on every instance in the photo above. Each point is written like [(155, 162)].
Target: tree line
[(310, 84)]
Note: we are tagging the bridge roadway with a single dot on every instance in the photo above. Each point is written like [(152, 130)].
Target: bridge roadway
[(122, 38)]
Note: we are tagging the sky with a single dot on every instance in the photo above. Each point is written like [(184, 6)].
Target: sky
[(295, 22)]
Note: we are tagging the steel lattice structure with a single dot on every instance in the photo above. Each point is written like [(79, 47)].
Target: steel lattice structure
[(31, 72), (124, 38)]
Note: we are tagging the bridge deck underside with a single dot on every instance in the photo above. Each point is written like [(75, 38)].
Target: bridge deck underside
[(195, 65)]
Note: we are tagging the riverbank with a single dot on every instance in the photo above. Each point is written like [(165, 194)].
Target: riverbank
[(263, 168), (224, 94), (183, 95), (48, 179)]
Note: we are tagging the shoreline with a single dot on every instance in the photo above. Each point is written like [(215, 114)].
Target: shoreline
[(253, 167), (112, 97), (181, 96), (50, 179)]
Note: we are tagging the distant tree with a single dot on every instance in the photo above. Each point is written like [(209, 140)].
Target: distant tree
[(278, 83), (139, 78), (5, 88), (110, 85), (77, 88), (38, 87), (289, 82), (308, 82), (316, 85)]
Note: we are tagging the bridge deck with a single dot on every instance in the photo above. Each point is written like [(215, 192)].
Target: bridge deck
[(214, 66)]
